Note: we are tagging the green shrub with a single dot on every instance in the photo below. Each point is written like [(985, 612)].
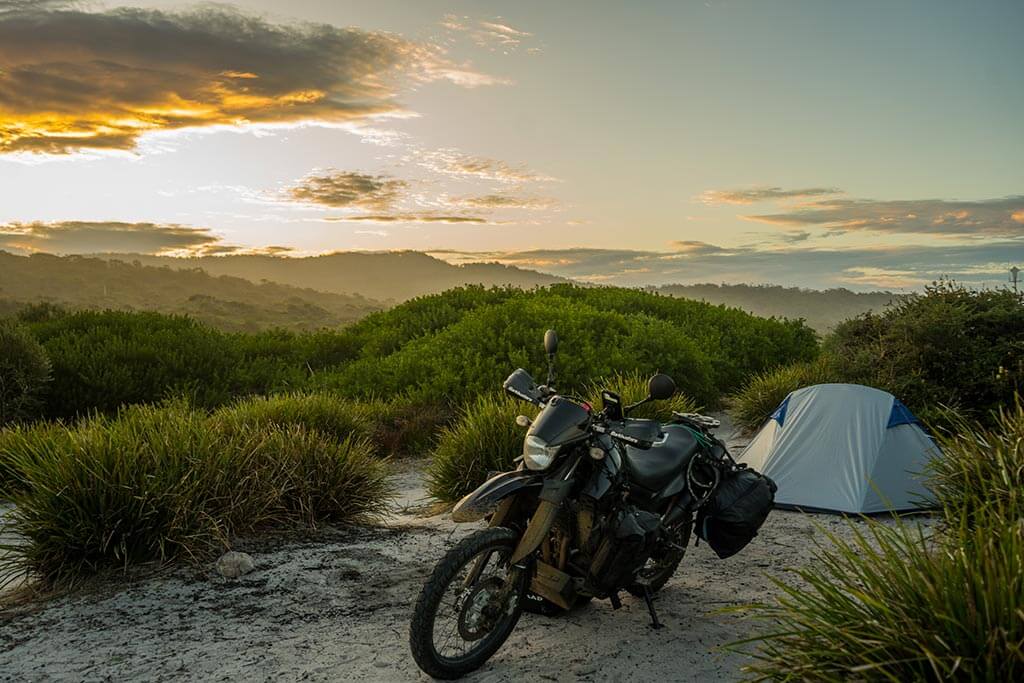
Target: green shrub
[(980, 477), (761, 395), (405, 426), (26, 443), (893, 605), (484, 438), (330, 415), (951, 346), (474, 355), (24, 372), (632, 387), (153, 483), (103, 360)]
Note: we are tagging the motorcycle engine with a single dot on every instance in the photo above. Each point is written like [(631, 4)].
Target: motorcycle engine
[(624, 547)]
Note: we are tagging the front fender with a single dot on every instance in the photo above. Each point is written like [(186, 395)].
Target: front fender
[(486, 497)]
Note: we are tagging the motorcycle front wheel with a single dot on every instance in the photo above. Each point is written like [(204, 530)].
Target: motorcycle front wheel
[(468, 606)]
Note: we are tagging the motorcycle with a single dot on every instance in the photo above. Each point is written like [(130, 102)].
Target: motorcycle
[(599, 503)]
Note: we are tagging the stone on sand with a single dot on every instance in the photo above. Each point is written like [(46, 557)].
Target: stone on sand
[(233, 564)]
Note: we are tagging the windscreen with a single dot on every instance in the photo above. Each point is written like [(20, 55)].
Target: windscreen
[(561, 421)]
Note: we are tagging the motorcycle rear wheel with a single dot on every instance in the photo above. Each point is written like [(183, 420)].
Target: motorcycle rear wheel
[(657, 574), (474, 615)]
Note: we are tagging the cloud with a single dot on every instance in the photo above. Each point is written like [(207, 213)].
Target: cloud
[(348, 189), (999, 218), (505, 201), (490, 35), (73, 80), (408, 218), (909, 266), (452, 162), (694, 247), (763, 194), (90, 237)]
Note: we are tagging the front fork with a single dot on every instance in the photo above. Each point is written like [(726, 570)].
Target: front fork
[(554, 491)]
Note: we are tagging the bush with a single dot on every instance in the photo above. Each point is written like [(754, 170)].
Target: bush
[(484, 438), (980, 477), (332, 416), (632, 387), (154, 483), (24, 373), (103, 360), (951, 346), (891, 605), (761, 395), (27, 443), (405, 426), (474, 355)]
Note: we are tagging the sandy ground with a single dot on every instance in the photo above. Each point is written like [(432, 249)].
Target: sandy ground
[(337, 606)]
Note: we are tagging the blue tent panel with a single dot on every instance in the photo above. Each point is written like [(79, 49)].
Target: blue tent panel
[(900, 415), (780, 413)]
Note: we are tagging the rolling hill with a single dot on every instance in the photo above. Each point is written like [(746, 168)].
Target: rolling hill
[(386, 276), (229, 303)]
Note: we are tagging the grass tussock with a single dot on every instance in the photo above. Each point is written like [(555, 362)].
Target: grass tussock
[(893, 605), (155, 483), (896, 604), (981, 473), (754, 403), (331, 416), (484, 438)]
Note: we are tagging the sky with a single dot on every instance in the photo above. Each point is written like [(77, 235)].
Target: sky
[(819, 144)]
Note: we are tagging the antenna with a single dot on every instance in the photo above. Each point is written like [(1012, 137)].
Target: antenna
[(1014, 277)]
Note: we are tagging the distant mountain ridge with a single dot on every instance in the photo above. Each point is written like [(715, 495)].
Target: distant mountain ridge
[(386, 276), (822, 309), (229, 303)]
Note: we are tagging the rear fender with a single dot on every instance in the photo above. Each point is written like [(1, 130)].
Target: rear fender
[(488, 495)]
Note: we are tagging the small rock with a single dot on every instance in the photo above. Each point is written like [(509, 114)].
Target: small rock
[(233, 564)]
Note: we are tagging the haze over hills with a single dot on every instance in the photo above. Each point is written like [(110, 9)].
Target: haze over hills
[(822, 309), (394, 276), (229, 303), (248, 292)]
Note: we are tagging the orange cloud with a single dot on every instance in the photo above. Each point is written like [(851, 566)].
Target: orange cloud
[(72, 80)]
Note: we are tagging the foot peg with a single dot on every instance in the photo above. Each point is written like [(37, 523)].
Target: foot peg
[(655, 624)]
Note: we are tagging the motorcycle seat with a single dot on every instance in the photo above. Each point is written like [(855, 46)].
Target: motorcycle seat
[(655, 467)]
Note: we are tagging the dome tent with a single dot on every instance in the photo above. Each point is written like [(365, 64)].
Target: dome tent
[(843, 448)]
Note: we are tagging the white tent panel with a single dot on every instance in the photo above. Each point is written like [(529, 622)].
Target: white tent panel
[(830, 442), (898, 480)]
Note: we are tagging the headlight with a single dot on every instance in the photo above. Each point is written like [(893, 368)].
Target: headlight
[(537, 454)]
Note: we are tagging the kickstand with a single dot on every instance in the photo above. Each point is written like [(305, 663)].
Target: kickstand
[(655, 624)]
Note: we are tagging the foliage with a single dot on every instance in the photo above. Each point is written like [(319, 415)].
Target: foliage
[(893, 605), (329, 415), (439, 351), (153, 483), (102, 360), (951, 346), (24, 372), (980, 475), (752, 405), (484, 438), (452, 347)]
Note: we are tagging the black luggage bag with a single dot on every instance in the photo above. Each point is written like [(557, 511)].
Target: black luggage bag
[(736, 510)]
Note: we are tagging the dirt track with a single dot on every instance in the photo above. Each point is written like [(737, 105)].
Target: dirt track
[(337, 607)]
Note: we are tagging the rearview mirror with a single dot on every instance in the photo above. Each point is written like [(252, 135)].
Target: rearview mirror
[(550, 342), (661, 387)]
